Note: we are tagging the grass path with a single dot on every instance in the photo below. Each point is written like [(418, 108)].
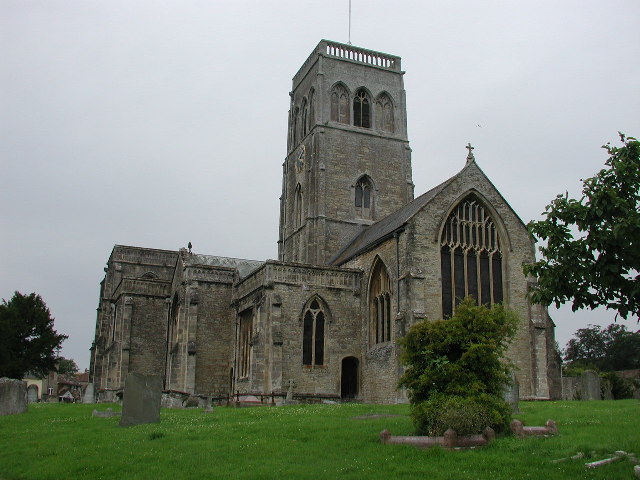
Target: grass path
[(53, 441)]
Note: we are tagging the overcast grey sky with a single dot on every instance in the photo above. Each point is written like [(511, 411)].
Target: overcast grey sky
[(156, 123)]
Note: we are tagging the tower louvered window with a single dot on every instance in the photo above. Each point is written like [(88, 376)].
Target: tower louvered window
[(361, 109), (313, 335), (380, 304), (471, 257)]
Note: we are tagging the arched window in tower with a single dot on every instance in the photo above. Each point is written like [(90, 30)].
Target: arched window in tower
[(380, 303), (340, 104), (384, 114), (296, 130), (297, 207), (364, 198), (305, 113), (361, 109), (471, 256), (313, 334)]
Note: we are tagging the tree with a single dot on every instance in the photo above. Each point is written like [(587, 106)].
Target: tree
[(592, 251), (67, 366), (28, 341), (606, 349), (457, 364)]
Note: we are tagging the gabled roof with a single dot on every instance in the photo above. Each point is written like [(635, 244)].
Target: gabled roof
[(380, 231), (244, 267)]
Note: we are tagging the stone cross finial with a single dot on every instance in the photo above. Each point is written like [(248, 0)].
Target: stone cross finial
[(470, 157)]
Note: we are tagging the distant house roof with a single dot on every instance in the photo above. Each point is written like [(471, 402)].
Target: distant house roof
[(244, 267), (380, 231)]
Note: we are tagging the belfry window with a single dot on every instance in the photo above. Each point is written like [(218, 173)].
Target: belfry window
[(384, 114), (313, 335), (364, 198), (380, 304), (340, 104), (305, 113), (361, 109), (471, 257)]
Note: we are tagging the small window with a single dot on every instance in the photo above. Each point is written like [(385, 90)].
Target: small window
[(364, 198), (361, 109), (313, 335)]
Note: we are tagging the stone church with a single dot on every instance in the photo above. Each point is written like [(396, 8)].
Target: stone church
[(360, 259)]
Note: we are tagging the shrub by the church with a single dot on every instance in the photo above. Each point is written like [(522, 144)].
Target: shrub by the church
[(456, 371)]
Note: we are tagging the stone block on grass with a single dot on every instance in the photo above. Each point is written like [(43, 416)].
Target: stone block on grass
[(13, 396), (141, 399)]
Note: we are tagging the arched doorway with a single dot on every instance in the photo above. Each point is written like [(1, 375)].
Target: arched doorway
[(349, 378)]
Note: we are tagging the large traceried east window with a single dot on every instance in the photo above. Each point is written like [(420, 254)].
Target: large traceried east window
[(362, 109), (471, 257), (340, 104), (313, 334), (380, 304)]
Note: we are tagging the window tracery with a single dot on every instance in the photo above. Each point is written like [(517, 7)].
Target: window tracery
[(380, 304), (361, 109), (313, 335), (384, 114), (364, 198), (471, 257), (340, 104)]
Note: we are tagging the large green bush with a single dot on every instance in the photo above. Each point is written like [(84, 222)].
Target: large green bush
[(456, 372)]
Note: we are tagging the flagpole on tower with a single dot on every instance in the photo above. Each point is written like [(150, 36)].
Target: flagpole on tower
[(349, 42)]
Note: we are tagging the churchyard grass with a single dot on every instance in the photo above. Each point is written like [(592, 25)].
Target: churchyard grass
[(53, 441)]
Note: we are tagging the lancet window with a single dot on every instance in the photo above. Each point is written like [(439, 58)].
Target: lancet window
[(380, 304), (312, 110), (384, 114), (313, 334), (471, 257), (297, 207), (340, 104), (244, 343), (305, 114), (361, 109)]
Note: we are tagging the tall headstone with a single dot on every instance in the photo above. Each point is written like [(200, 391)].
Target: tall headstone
[(32, 393), (13, 396), (591, 386), (511, 394), (89, 394), (141, 399)]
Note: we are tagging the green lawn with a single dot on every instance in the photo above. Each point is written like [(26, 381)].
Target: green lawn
[(54, 441)]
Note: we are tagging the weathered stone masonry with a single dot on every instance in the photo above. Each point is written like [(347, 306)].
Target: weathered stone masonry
[(359, 261)]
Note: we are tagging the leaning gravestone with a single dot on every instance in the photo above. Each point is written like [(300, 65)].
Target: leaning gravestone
[(32, 393), (591, 385), (89, 394), (141, 399), (13, 396)]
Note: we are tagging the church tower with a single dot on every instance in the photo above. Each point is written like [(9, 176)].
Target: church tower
[(348, 160)]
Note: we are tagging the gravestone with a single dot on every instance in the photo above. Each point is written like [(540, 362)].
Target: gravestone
[(141, 399), (590, 383), (511, 394), (13, 396), (32, 393), (89, 394)]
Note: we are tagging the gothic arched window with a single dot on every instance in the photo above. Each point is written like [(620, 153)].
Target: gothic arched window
[(313, 334), (312, 110), (296, 128), (380, 303), (361, 109), (384, 114), (340, 104), (364, 198), (471, 256), (297, 207)]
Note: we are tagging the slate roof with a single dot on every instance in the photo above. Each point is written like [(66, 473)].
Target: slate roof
[(380, 231), (244, 267)]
